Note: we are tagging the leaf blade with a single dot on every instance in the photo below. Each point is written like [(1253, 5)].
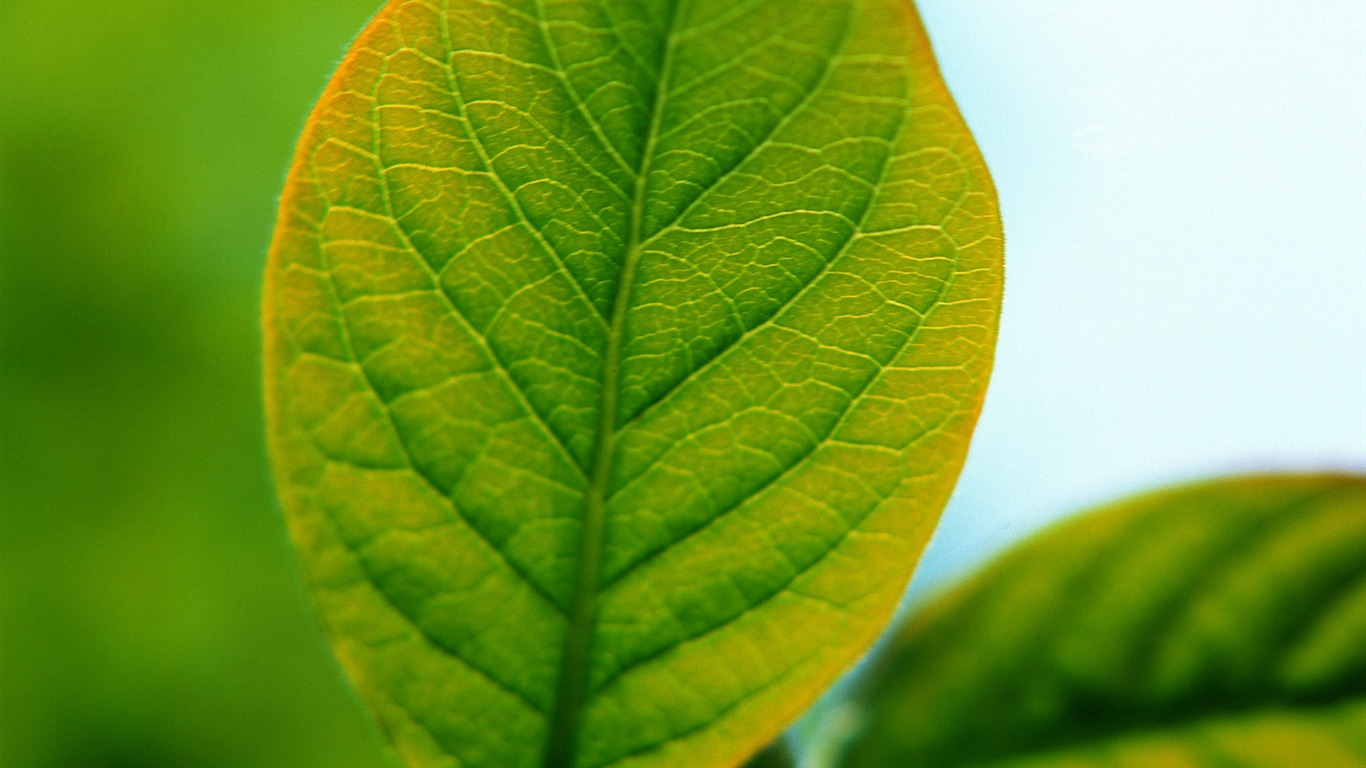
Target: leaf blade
[(564, 388), (1179, 626)]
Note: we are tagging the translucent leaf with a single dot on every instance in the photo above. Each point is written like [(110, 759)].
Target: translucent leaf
[(621, 355)]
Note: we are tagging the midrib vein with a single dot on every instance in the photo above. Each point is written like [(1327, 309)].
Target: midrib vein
[(572, 690)]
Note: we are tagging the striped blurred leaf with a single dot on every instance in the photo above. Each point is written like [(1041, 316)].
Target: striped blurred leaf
[(1214, 625)]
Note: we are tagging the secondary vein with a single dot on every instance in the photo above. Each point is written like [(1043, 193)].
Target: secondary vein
[(572, 691)]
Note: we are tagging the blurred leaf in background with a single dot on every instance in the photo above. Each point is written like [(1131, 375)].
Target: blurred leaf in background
[(150, 614), (1204, 626)]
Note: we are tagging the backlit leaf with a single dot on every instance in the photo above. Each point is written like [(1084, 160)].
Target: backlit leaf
[(1209, 626), (621, 355)]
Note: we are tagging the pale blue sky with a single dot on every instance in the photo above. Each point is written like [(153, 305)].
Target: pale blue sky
[(1184, 193)]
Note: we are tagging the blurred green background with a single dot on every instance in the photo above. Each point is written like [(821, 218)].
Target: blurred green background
[(150, 614)]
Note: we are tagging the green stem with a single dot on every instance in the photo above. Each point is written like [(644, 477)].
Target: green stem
[(572, 692), (777, 755)]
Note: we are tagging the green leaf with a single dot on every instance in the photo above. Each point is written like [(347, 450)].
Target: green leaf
[(1209, 626), (621, 355)]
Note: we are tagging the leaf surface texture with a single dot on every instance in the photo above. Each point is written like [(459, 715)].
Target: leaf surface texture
[(1219, 625), (621, 355)]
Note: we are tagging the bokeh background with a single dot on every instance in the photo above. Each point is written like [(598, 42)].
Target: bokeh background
[(1184, 187)]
